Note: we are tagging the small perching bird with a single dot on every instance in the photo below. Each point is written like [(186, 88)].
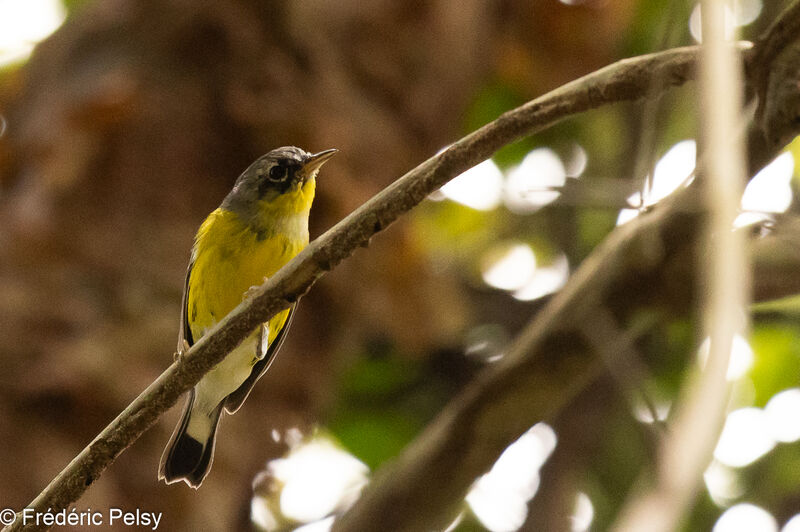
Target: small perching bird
[(261, 225)]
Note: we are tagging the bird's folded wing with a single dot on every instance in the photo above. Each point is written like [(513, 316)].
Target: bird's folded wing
[(235, 399), (185, 331)]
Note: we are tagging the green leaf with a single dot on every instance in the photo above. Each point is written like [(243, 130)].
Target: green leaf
[(374, 435), (777, 359)]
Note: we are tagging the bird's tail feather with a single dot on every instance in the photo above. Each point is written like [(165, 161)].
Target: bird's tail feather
[(188, 456)]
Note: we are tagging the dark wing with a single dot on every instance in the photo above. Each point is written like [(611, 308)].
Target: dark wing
[(234, 401), (185, 332)]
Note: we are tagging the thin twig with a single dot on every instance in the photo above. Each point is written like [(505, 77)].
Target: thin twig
[(623, 362), (687, 450)]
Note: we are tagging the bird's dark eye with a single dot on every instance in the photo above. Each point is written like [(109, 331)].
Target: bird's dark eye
[(277, 173)]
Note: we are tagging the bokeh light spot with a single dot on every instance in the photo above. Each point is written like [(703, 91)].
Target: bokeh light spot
[(782, 416), (486, 342), (741, 359), (479, 188), (751, 218), (499, 499), (509, 266), (23, 23), (545, 280), (534, 183), (323, 525), (792, 525), (626, 215), (744, 12), (745, 438), (770, 190), (643, 412), (582, 514), (723, 483), (318, 478), (672, 171), (261, 514), (578, 159), (746, 517)]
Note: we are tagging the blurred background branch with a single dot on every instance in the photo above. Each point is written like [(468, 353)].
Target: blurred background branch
[(687, 450)]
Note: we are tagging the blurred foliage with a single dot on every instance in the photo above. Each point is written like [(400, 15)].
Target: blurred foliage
[(372, 418), (490, 102), (777, 360), (73, 5)]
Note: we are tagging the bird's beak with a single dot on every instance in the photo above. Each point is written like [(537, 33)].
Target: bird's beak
[(315, 161)]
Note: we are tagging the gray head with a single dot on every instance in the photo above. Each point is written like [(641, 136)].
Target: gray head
[(281, 171)]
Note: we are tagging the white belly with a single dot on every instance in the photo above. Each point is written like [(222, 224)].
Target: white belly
[(217, 384)]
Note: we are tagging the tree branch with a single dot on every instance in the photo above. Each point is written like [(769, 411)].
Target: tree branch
[(686, 450)]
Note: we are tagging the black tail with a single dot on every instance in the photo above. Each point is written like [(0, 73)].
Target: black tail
[(186, 457)]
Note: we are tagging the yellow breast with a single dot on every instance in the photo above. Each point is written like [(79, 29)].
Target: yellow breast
[(231, 255)]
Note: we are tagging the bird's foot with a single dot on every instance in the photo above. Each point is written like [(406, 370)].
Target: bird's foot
[(182, 348), (250, 292)]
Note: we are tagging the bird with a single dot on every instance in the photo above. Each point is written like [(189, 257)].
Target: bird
[(260, 225)]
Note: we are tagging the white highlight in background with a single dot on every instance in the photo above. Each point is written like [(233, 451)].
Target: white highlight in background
[(545, 280), (626, 215), (770, 190), (318, 478), (23, 23), (499, 499), (480, 187), (262, 515), (671, 172), (582, 514), (744, 12), (323, 525), (782, 416), (509, 267), (644, 412), (535, 182), (748, 218), (723, 483), (577, 161), (746, 517), (745, 438), (741, 357), (792, 525)]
